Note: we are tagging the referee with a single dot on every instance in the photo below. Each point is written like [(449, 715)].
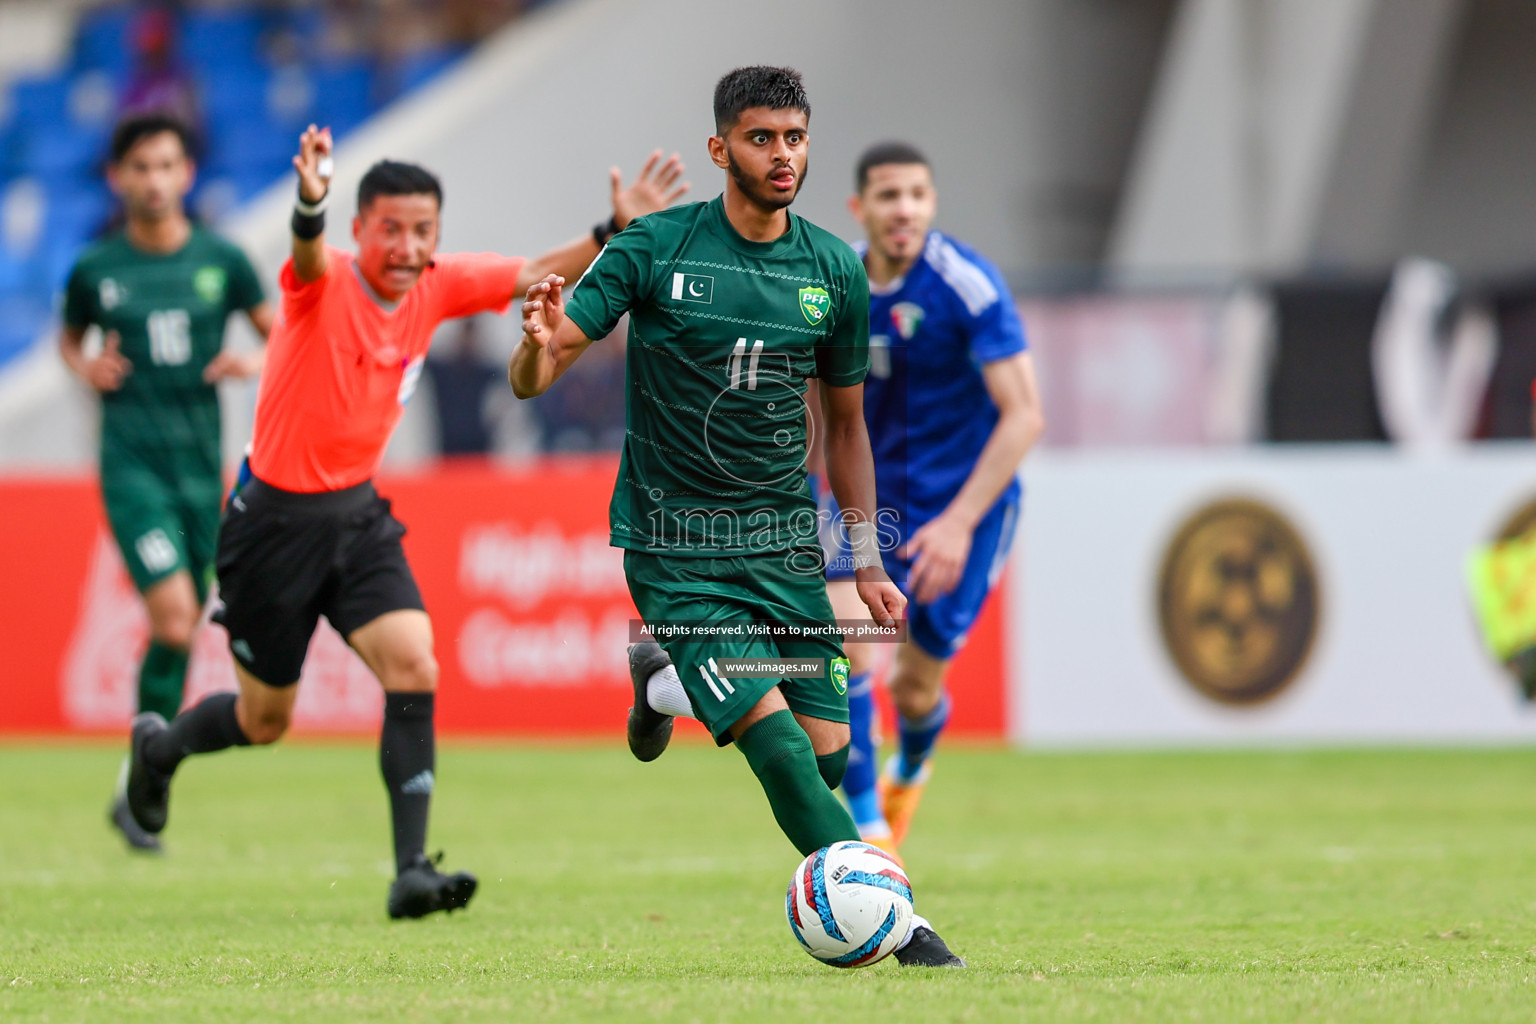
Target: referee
[(306, 534)]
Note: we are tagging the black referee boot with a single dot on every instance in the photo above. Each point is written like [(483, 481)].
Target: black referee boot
[(149, 790), (121, 819), (421, 889), (649, 730), (927, 950)]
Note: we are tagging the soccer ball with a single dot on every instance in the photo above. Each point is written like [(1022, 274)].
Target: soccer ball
[(849, 904)]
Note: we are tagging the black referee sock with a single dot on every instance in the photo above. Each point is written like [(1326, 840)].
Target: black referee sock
[(203, 728), (408, 757)]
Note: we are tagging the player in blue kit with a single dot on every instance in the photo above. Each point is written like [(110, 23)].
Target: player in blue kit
[(952, 409)]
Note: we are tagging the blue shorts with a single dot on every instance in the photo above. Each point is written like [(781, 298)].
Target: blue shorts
[(939, 627)]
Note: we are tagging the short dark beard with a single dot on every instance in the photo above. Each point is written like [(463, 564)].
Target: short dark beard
[(767, 200), (141, 213)]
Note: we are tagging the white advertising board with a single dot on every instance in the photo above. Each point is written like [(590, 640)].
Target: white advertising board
[(1392, 654)]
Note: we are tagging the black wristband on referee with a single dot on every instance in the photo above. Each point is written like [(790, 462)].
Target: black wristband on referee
[(308, 226), (605, 230), (309, 218)]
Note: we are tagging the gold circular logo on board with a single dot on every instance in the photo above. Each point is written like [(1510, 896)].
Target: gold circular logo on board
[(1238, 601)]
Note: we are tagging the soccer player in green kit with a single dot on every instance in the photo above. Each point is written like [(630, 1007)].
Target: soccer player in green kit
[(161, 289), (733, 303)]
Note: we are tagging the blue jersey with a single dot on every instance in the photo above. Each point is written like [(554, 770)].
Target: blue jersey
[(925, 401)]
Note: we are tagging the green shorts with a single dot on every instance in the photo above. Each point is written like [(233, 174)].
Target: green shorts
[(161, 525), (722, 591)]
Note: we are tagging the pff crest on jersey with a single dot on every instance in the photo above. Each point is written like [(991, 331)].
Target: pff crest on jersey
[(840, 669), (209, 283), (814, 303)]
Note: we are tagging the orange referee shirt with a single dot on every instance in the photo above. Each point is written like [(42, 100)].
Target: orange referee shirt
[(340, 367)]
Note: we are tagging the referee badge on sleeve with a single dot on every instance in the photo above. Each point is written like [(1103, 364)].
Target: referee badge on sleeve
[(410, 378)]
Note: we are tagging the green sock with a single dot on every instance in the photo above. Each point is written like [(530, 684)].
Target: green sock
[(780, 755), (162, 678), (833, 766)]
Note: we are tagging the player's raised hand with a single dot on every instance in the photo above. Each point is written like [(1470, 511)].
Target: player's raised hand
[(107, 371), (543, 310), (938, 551), (882, 597), (313, 163), (231, 365), (655, 189)]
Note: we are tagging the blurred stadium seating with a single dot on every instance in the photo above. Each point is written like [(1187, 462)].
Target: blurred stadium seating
[(259, 75)]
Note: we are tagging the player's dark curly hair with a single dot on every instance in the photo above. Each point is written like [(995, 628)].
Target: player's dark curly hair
[(757, 86), (882, 153), (393, 178), (132, 130)]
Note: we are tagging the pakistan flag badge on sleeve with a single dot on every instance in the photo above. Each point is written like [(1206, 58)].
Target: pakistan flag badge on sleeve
[(840, 675), (814, 303)]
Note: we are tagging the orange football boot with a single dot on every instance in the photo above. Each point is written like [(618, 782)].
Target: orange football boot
[(885, 844), (899, 800)]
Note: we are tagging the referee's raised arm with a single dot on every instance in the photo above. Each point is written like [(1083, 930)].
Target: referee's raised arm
[(313, 164)]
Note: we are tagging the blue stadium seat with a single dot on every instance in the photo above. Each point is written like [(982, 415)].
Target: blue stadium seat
[(222, 38), (56, 256), (10, 144), (23, 319), (252, 180), (104, 40), (14, 277), (50, 134), (290, 98), (254, 143), (59, 149), (77, 210), (238, 92), (40, 99), (424, 65), (344, 95)]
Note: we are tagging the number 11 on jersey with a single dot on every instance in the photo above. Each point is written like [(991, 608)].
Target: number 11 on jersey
[(737, 356)]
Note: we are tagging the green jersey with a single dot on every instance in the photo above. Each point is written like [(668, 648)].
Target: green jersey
[(723, 333), (170, 311)]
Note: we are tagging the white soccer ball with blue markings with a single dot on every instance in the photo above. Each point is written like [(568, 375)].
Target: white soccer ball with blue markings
[(849, 904)]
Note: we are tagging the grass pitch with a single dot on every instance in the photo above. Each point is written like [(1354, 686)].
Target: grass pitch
[(1366, 886)]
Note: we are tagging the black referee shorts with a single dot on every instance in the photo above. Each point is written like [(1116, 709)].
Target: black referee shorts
[(284, 559)]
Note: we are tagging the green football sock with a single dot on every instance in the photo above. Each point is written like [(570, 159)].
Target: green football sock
[(832, 766), (162, 677), (780, 755)]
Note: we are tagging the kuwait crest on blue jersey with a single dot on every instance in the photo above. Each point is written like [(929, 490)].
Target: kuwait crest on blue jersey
[(814, 303), (907, 317)]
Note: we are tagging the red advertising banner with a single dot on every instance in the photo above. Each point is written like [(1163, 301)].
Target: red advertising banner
[(527, 599)]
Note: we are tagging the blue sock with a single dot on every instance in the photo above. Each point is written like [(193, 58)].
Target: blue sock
[(859, 779), (918, 738)]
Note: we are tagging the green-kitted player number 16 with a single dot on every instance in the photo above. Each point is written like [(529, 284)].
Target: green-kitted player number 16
[(170, 337)]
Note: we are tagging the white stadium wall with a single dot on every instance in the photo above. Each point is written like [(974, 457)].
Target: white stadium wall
[(1394, 658)]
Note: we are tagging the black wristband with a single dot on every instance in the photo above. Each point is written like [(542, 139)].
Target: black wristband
[(605, 230), (309, 217), (308, 226)]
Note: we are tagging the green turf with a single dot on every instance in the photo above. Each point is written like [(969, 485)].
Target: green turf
[(1372, 886)]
